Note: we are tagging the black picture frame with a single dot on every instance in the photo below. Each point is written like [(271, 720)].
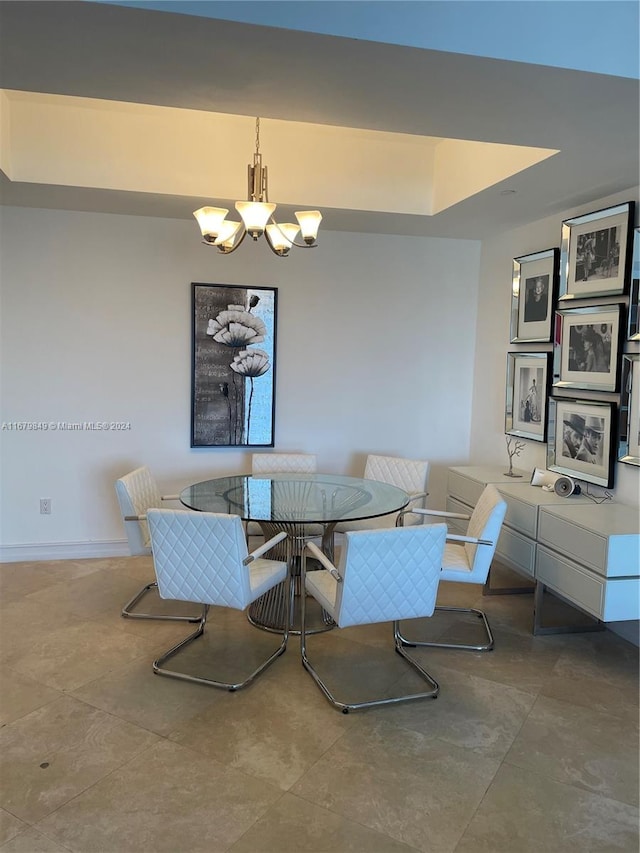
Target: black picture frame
[(587, 348), (629, 448), (596, 252), (534, 292), (233, 375), (526, 394), (582, 439)]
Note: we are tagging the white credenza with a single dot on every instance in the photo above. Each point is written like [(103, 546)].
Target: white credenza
[(591, 556), (587, 553)]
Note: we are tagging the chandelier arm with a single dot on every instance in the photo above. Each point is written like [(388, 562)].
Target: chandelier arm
[(224, 251), (293, 242)]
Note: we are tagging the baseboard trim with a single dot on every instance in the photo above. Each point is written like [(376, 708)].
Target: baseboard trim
[(64, 550)]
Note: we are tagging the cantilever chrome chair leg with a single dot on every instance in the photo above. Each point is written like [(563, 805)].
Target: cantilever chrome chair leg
[(128, 614), (345, 707), (481, 647), (429, 678), (159, 669), (430, 536)]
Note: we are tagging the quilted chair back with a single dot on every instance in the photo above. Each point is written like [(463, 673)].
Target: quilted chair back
[(137, 492), (485, 523), (283, 463), (389, 574), (408, 474), (411, 475), (198, 557)]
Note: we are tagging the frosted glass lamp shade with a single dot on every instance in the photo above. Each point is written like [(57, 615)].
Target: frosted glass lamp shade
[(282, 236), (255, 215), (227, 237), (210, 219), (309, 223)]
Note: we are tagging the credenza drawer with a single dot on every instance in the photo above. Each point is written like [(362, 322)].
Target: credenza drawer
[(517, 551), (578, 585), (611, 600), (454, 505), (464, 488), (521, 516), (585, 547)]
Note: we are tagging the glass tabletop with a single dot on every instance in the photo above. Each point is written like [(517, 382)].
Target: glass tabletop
[(295, 498)]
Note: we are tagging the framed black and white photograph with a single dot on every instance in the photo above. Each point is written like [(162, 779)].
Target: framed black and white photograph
[(587, 346), (596, 253), (633, 328), (629, 450), (581, 440), (534, 292), (526, 394), (233, 365)]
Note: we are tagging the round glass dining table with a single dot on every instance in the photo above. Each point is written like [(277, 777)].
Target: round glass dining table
[(306, 506)]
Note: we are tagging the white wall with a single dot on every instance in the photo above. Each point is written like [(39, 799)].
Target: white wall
[(488, 439), (375, 352)]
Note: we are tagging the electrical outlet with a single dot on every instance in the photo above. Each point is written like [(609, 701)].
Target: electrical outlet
[(45, 506)]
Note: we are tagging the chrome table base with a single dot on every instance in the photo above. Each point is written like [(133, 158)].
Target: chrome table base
[(269, 611)]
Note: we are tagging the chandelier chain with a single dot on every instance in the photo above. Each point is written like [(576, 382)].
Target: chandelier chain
[(257, 136)]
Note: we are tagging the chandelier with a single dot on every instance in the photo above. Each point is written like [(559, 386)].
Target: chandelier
[(257, 218)]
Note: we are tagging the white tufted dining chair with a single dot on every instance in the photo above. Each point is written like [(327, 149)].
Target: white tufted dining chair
[(203, 557), (382, 576), (411, 475), (137, 492), (469, 561), (283, 463)]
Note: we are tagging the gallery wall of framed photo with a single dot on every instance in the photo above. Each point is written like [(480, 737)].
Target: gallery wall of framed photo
[(573, 370)]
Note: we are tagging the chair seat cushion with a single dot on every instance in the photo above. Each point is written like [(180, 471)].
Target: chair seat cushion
[(262, 575), (455, 565)]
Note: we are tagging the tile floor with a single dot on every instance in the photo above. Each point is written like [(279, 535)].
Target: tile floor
[(532, 747)]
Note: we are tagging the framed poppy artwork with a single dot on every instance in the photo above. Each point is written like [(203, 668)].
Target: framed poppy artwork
[(233, 365)]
